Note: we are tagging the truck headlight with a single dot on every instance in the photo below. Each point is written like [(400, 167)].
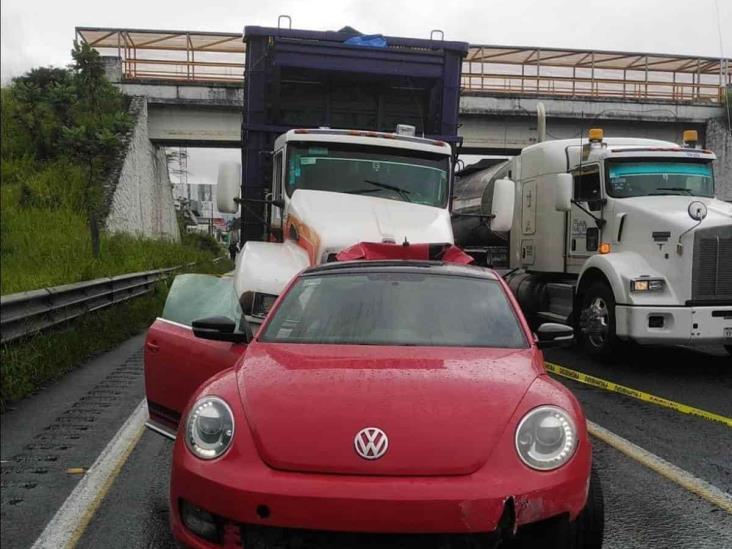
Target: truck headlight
[(546, 438), (647, 285), (209, 428)]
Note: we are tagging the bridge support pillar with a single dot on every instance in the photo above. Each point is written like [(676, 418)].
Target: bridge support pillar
[(719, 140)]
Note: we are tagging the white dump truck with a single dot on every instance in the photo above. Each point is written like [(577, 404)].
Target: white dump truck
[(332, 189), (622, 238)]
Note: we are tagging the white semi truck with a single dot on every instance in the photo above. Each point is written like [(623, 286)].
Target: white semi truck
[(622, 238), (332, 189)]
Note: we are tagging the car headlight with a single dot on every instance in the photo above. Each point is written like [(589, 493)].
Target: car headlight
[(209, 428), (647, 285), (546, 438)]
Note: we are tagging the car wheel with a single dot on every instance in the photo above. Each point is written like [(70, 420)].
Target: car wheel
[(557, 533), (586, 532), (597, 321)]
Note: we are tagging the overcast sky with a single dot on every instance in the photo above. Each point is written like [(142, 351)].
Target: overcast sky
[(40, 32)]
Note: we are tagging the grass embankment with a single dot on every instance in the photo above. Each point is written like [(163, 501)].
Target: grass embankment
[(45, 239), (62, 131), (31, 363)]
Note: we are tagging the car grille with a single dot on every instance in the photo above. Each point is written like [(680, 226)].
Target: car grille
[(286, 538), (712, 270)]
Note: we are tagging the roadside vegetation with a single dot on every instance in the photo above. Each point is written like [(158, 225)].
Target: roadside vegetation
[(62, 131), (29, 364)]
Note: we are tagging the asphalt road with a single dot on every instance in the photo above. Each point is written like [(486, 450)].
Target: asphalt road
[(65, 426)]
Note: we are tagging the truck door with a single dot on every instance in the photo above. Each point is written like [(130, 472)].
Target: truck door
[(583, 235), (176, 362), (275, 213)]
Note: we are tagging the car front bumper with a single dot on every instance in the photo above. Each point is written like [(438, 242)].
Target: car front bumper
[(241, 494), (680, 325)]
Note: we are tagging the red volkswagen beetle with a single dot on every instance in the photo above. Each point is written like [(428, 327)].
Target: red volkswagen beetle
[(379, 397)]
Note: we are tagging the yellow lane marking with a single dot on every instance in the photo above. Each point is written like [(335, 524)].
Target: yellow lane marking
[(686, 480), (634, 393)]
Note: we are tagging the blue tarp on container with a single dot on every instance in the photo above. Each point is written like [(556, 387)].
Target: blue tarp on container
[(369, 41)]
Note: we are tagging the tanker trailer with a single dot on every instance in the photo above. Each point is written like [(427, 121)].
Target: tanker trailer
[(472, 199)]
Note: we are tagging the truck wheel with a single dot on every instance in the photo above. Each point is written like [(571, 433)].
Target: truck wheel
[(586, 532), (597, 321)]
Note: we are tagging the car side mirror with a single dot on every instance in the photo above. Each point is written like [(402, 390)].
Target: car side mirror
[(563, 190), (219, 328), (504, 197), (551, 334)]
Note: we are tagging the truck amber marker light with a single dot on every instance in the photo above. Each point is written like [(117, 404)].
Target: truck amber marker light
[(605, 248)]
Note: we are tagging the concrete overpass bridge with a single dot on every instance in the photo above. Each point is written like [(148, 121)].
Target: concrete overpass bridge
[(193, 85)]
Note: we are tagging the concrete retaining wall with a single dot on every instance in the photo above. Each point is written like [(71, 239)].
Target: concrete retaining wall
[(719, 139), (142, 199)]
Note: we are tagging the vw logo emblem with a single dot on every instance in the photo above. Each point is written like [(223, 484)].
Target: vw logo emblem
[(371, 443)]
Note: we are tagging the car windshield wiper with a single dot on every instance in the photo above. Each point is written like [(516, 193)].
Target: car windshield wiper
[(682, 189), (404, 193)]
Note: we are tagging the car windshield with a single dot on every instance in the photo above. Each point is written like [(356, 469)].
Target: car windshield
[(383, 172), (396, 308), (626, 179)]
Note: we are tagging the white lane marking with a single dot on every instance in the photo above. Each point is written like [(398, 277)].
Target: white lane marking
[(686, 480), (72, 518)]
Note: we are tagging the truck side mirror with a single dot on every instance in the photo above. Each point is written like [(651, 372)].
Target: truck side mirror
[(228, 187), (504, 197), (563, 190)]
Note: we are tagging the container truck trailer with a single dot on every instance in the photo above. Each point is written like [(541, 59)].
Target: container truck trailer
[(342, 143)]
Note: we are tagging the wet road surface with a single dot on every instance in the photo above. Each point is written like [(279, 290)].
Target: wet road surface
[(643, 509)]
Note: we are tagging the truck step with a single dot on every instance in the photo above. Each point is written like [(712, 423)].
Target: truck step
[(552, 317), (560, 298)]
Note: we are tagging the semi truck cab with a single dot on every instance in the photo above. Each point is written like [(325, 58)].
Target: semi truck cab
[(624, 238), (332, 188)]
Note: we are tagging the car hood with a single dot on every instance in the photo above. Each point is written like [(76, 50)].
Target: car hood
[(443, 409)]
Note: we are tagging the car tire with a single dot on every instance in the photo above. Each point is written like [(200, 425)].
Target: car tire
[(596, 322), (587, 530)]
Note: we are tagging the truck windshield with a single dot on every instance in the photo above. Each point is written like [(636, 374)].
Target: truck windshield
[(396, 308), (626, 179), (395, 174)]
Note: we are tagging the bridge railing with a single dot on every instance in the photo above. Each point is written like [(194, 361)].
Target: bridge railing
[(591, 88), (201, 57)]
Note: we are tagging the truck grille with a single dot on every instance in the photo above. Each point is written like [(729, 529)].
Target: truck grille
[(712, 270)]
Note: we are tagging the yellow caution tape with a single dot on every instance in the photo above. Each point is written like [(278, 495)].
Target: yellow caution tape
[(634, 393)]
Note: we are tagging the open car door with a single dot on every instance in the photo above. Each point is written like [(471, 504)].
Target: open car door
[(176, 361)]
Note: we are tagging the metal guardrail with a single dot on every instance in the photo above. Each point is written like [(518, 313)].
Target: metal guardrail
[(27, 313)]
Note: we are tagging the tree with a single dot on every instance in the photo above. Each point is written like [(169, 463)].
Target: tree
[(95, 137), (42, 99)]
